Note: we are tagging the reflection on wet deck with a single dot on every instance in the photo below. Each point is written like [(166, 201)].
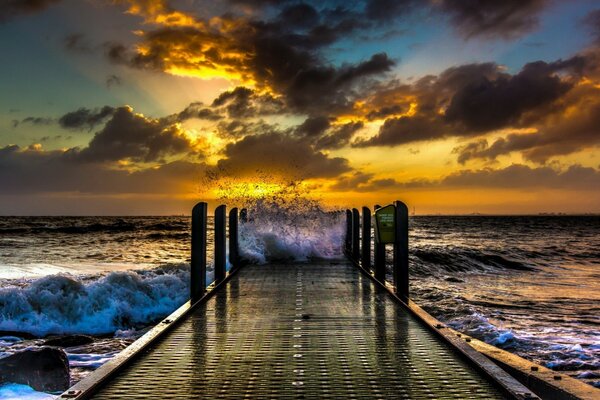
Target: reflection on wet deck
[(300, 331)]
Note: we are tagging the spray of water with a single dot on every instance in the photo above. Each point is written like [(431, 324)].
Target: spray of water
[(284, 222)]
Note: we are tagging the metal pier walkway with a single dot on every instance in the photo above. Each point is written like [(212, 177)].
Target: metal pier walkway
[(300, 331)]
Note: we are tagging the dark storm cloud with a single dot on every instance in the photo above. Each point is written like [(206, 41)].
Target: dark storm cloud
[(484, 104), (33, 121), (403, 130), (284, 154), (243, 102), (338, 136), (473, 99), (363, 182), (128, 135), (313, 126), (12, 8), (85, 117), (521, 176), (283, 56), (492, 18), (238, 103), (25, 171), (316, 86), (554, 139), (299, 15), (515, 176)]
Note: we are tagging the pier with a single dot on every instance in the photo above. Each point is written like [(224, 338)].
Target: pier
[(322, 330)]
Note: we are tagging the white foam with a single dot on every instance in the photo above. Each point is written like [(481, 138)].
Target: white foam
[(13, 391), (295, 233), (91, 360), (62, 304)]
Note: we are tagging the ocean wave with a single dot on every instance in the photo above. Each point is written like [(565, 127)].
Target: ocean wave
[(427, 261), (62, 304)]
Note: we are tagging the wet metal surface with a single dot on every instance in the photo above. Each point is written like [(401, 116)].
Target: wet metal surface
[(299, 331)]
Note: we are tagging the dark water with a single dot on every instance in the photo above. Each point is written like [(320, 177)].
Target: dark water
[(529, 285)]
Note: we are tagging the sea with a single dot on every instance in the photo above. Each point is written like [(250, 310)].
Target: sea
[(527, 284)]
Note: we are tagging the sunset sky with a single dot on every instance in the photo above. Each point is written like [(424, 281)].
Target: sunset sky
[(147, 106)]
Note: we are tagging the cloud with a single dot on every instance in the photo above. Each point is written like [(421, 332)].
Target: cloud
[(475, 99), (574, 177), (281, 57), (85, 118), (396, 131), (507, 19), (485, 105), (299, 15), (338, 136), (580, 131), (363, 182), (32, 170), (13, 8), (514, 176), (313, 126), (33, 121), (113, 80), (243, 102), (283, 154), (128, 135)]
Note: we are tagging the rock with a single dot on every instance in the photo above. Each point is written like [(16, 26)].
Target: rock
[(69, 341), (45, 369)]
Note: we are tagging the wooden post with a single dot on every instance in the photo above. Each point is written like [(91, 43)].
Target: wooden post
[(348, 240), (234, 250), (220, 237), (379, 258), (198, 264), (366, 239), (401, 275), (355, 235)]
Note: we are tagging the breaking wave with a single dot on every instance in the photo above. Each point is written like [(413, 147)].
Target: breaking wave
[(63, 304)]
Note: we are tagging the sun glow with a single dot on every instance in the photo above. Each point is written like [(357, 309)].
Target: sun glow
[(247, 190)]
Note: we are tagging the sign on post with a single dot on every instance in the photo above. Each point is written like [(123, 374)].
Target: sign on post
[(385, 224)]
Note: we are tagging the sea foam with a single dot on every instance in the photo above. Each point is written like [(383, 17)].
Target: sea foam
[(62, 304)]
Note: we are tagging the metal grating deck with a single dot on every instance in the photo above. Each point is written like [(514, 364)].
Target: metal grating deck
[(299, 331)]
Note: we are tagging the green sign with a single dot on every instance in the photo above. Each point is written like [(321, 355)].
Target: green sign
[(385, 224)]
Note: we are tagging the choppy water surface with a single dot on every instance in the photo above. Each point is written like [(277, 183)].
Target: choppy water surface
[(527, 284)]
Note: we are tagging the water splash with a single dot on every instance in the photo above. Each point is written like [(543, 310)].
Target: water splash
[(285, 223)]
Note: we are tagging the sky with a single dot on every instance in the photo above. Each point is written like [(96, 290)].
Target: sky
[(143, 107)]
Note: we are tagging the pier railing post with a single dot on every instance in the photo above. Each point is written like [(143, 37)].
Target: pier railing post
[(355, 235), (366, 239), (198, 263), (401, 251), (220, 237), (379, 253), (348, 238), (234, 250)]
